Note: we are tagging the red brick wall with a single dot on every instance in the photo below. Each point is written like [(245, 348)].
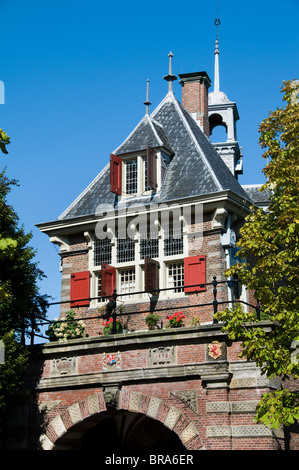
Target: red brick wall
[(195, 100), (196, 414), (209, 402)]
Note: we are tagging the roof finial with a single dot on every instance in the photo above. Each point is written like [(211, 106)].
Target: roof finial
[(170, 77), (147, 102), (216, 70)]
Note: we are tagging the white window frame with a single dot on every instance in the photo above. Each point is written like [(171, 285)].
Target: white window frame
[(138, 265), (130, 295), (95, 288), (180, 265), (163, 159), (127, 164), (141, 183)]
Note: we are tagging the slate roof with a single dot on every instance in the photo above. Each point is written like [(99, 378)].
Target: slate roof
[(195, 169), (147, 132), (259, 198)]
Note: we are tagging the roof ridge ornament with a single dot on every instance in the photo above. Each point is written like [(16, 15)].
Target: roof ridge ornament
[(147, 102), (170, 77)]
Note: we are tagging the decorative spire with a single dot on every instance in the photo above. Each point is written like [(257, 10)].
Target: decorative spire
[(216, 70), (147, 102), (170, 77)]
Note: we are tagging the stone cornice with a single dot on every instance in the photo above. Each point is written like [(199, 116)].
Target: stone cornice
[(135, 340), (138, 339), (210, 202), (214, 374)]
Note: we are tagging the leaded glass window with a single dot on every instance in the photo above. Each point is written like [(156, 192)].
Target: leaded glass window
[(102, 251), (149, 248), (125, 250), (131, 177), (173, 241)]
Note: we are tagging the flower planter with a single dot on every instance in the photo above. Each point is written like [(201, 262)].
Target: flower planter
[(175, 320)]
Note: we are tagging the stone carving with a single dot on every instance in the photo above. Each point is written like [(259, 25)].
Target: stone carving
[(46, 406), (161, 356), (188, 397), (111, 397), (63, 366), (216, 350), (111, 361)]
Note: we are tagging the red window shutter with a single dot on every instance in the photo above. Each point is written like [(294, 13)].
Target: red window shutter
[(108, 277), (195, 273), (115, 174), (80, 284), (151, 275), (151, 168)]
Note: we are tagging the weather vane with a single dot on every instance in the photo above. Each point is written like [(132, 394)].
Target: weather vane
[(217, 21)]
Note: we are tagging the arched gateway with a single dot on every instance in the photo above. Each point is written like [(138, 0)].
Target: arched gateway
[(149, 424), (180, 389)]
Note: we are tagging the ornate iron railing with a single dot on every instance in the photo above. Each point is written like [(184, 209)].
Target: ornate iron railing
[(111, 306)]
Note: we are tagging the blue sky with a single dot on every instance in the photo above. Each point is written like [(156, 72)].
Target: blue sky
[(75, 81)]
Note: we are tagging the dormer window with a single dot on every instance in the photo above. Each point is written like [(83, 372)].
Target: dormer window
[(140, 173), (137, 174)]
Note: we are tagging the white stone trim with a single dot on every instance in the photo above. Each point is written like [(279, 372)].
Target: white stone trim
[(45, 442), (75, 413), (189, 433), (232, 407), (254, 430), (58, 426), (153, 407), (172, 418)]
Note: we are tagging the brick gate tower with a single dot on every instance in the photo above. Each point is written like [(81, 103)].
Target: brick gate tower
[(153, 233)]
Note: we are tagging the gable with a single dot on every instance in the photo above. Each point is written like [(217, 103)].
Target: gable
[(146, 134), (195, 170)]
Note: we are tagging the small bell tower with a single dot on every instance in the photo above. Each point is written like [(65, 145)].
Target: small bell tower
[(223, 112)]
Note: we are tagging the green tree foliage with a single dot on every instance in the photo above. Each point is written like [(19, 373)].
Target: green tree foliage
[(7, 245), (11, 371), (21, 304), (19, 273), (271, 237), (4, 140)]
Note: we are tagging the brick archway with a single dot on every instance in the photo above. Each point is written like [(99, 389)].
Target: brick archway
[(132, 401)]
